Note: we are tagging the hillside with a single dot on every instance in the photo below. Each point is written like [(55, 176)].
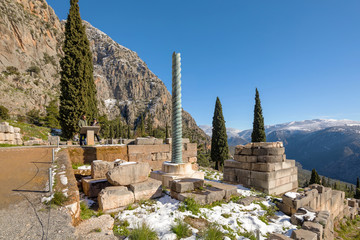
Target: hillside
[(32, 37), (332, 147)]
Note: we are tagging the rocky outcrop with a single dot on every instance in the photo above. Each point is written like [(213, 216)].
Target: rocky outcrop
[(31, 39)]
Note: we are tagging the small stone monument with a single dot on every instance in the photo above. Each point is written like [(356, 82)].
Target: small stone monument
[(176, 168)]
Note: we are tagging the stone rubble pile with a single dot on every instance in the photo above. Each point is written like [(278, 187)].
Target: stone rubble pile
[(9, 134), (120, 183), (262, 166), (315, 210)]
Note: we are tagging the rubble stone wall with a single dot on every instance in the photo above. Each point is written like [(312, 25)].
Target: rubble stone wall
[(262, 166), (9, 134)]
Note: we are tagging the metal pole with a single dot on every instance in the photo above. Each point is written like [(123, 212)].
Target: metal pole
[(50, 180), (257, 234), (57, 140), (53, 155)]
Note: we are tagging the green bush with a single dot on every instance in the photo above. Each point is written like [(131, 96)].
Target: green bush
[(190, 205), (33, 116), (212, 233), (4, 113), (143, 232), (11, 70), (33, 69), (58, 199), (181, 229), (121, 228), (85, 212)]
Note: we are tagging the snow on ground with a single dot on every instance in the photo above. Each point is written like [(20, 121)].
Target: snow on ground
[(292, 195), (231, 217), (84, 167), (211, 174)]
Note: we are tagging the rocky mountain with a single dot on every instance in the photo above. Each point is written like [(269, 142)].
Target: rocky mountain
[(31, 40), (332, 147)]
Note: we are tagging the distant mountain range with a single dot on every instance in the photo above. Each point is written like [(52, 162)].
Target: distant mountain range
[(330, 146)]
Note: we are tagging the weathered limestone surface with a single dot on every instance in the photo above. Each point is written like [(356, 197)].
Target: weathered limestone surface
[(99, 168), (149, 189), (301, 234), (9, 134), (186, 184), (115, 197), (278, 236), (128, 173), (92, 187), (314, 227), (262, 166)]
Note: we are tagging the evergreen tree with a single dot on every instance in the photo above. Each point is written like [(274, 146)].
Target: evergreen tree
[(167, 131), (149, 126), (335, 186), (315, 178), (219, 144), (258, 133), (141, 130), (357, 190), (128, 132), (52, 115), (4, 113), (78, 92), (323, 181)]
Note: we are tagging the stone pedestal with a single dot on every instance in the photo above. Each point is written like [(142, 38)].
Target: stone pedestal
[(171, 171), (90, 137)]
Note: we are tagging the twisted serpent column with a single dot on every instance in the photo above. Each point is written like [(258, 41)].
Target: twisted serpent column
[(176, 110)]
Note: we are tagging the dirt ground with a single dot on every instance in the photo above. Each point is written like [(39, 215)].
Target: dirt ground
[(23, 178)]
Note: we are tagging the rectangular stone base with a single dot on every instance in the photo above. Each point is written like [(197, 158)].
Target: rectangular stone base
[(151, 188), (167, 178), (92, 187)]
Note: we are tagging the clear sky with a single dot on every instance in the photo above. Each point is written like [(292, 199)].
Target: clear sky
[(303, 56)]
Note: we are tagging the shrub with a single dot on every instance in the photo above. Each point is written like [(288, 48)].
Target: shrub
[(213, 233), (58, 199), (85, 212), (11, 70), (33, 69), (121, 228), (4, 113), (190, 205), (33, 116), (181, 229), (143, 232)]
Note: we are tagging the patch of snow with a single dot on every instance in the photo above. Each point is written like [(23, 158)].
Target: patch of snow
[(308, 216), (47, 199), (292, 195), (162, 214), (85, 167), (63, 180), (127, 163)]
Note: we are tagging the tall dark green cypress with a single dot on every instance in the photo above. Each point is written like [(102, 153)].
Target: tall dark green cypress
[(357, 190), (315, 178), (219, 144), (258, 133), (78, 91)]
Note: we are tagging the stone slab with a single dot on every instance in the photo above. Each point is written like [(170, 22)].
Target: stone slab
[(278, 236), (177, 168), (149, 189), (301, 234), (147, 149), (126, 174), (314, 227), (99, 168), (228, 188), (208, 196), (115, 197), (186, 184), (92, 187)]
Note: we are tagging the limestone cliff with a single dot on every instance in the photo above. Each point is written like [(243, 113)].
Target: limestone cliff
[(31, 38)]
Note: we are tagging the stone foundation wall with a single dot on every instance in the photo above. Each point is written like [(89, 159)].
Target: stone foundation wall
[(316, 210), (150, 150), (9, 134), (262, 166)]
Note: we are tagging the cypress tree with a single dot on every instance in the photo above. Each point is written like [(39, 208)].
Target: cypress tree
[(166, 131), (52, 115), (357, 190), (258, 133), (78, 92), (219, 144), (323, 181), (128, 132), (315, 178)]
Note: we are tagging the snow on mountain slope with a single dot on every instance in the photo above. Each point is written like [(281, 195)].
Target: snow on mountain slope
[(231, 132)]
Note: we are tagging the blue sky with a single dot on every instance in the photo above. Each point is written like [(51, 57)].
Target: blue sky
[(303, 56)]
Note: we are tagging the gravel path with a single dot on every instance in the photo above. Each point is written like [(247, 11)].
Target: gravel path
[(23, 177)]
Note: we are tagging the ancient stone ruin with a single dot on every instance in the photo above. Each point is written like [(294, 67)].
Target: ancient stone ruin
[(120, 183), (316, 209), (9, 134), (262, 166)]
